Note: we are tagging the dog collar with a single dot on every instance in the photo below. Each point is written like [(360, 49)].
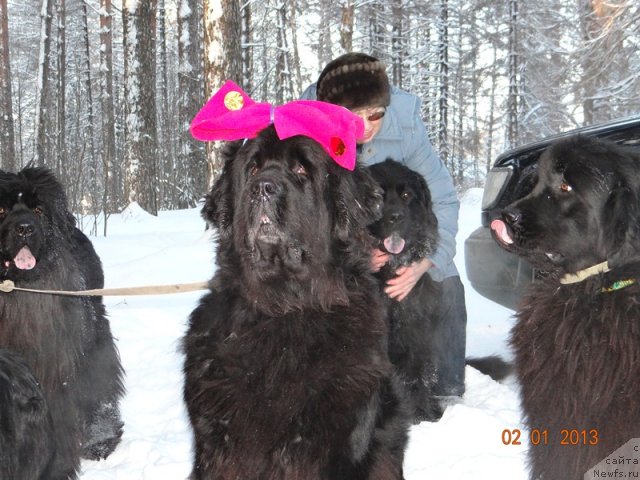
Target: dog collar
[(581, 275), (619, 285), (594, 270)]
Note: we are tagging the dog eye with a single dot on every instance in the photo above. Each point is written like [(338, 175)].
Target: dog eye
[(565, 187), (38, 211), (406, 196), (3, 211), (300, 170), (253, 170)]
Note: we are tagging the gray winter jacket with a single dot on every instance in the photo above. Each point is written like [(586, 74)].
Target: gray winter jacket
[(404, 138)]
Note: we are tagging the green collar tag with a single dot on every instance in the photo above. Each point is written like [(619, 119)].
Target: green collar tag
[(619, 285)]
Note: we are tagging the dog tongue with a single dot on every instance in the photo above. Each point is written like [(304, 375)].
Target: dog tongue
[(24, 259), (394, 243), (501, 231)]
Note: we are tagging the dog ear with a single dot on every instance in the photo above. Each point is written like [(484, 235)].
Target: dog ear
[(358, 200), (422, 189), (218, 205), (622, 226)]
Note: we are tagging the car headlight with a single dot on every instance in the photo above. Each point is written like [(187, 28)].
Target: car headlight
[(497, 180)]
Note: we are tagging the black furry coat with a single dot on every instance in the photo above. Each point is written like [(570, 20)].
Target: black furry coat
[(287, 373), (577, 353)]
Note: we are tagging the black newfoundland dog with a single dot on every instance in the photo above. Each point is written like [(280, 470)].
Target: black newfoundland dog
[(287, 371), (59, 365), (577, 334), (408, 231)]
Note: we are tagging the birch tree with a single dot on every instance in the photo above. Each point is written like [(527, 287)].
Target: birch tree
[(222, 53)]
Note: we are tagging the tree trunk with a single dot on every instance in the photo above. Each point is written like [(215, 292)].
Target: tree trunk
[(348, 10), (109, 192), (43, 87), (223, 56), (443, 98), (191, 179), (7, 137), (284, 83), (141, 173), (398, 46), (165, 170), (61, 94), (513, 95), (247, 49)]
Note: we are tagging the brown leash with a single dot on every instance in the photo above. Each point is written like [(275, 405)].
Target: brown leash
[(8, 286)]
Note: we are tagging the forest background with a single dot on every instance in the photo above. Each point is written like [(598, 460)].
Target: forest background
[(103, 93)]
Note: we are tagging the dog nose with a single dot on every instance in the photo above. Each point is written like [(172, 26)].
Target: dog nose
[(512, 217), (266, 188), (25, 229), (395, 217)]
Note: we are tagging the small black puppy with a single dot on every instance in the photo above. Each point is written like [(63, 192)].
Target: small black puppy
[(408, 231)]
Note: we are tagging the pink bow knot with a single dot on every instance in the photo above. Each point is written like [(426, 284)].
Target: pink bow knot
[(231, 115)]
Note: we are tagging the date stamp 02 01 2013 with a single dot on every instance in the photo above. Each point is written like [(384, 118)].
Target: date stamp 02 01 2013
[(541, 436)]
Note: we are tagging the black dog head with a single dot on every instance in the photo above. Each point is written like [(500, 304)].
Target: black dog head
[(33, 212), (583, 210), (408, 229), (285, 212)]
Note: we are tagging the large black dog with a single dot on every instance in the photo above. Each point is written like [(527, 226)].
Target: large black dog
[(287, 372), (65, 341), (577, 334), (408, 232)]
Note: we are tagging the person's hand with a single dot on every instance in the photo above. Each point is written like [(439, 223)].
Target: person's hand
[(406, 277), (378, 259)]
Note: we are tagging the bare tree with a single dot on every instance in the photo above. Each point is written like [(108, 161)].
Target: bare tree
[(109, 196), (284, 81), (7, 138), (325, 43), (443, 71), (191, 179), (513, 64), (246, 13), (43, 85), (348, 10), (165, 150), (138, 18), (61, 89), (398, 42), (222, 53)]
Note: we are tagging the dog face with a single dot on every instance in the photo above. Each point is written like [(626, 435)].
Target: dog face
[(33, 211), (582, 211), (284, 209), (408, 229)]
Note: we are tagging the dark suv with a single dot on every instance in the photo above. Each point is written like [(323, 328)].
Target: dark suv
[(494, 273)]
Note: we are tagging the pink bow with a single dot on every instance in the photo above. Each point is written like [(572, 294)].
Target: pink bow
[(231, 115)]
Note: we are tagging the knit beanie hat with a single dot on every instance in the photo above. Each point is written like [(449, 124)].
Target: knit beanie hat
[(354, 80)]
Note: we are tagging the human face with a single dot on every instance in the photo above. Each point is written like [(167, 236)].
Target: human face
[(372, 118)]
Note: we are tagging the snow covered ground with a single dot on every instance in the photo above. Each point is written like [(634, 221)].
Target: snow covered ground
[(174, 248)]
